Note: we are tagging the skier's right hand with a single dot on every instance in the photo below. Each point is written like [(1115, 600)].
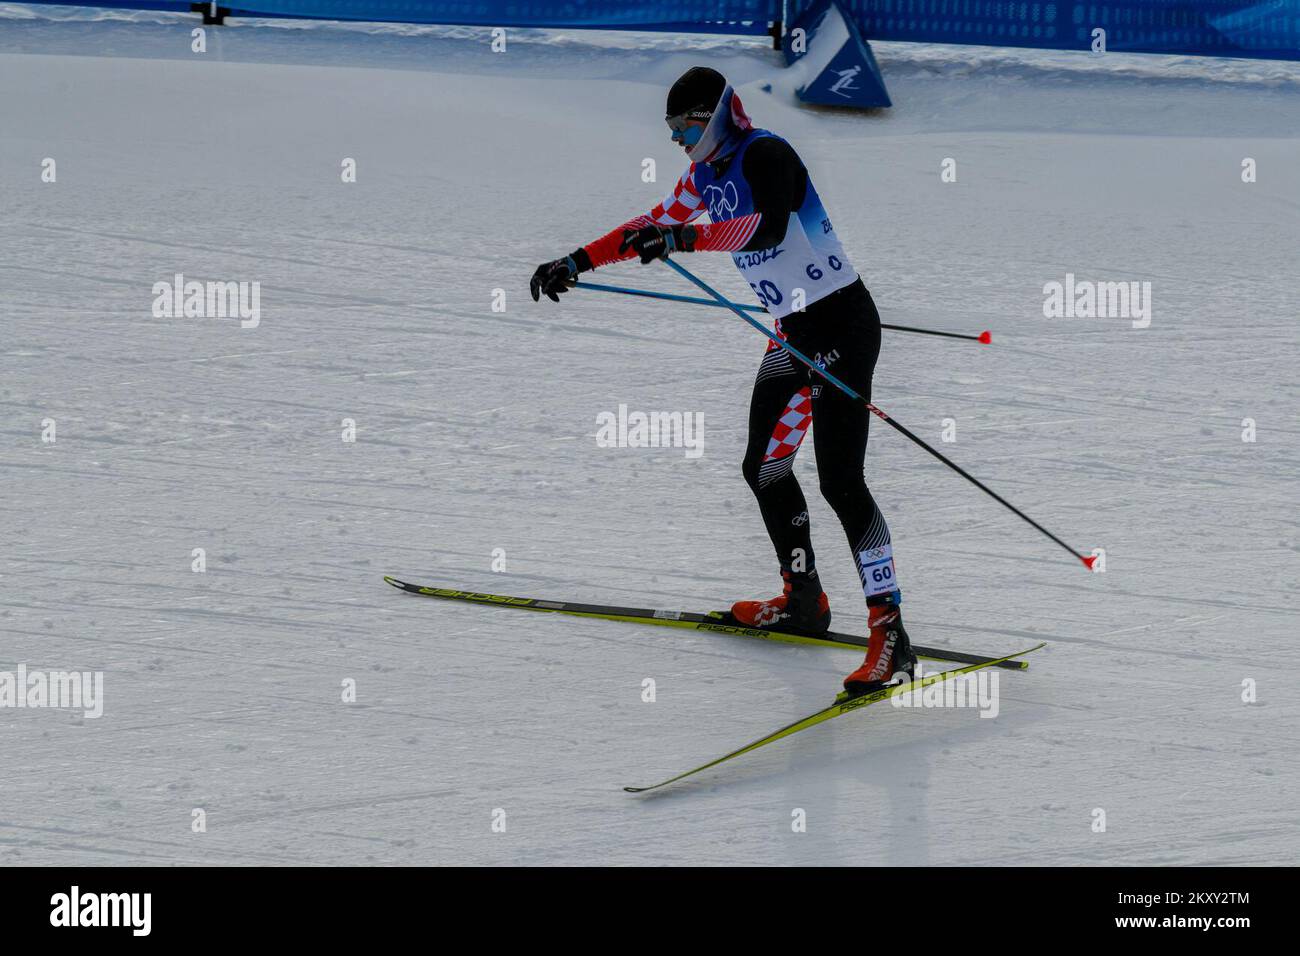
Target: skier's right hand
[(552, 278)]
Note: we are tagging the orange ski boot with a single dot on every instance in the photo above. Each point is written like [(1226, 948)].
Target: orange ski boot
[(889, 652), (802, 607)]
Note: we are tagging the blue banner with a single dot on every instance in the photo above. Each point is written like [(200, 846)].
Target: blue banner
[(1253, 28), (721, 16), (691, 16), (837, 65), (1270, 29)]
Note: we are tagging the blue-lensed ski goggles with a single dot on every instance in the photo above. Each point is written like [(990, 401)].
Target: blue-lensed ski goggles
[(683, 132)]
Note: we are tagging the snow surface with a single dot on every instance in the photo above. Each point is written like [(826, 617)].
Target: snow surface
[(475, 431)]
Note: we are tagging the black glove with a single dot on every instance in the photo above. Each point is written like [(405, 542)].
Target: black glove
[(655, 242), (552, 278)]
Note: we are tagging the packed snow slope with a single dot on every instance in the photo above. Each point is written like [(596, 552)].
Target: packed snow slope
[(475, 435)]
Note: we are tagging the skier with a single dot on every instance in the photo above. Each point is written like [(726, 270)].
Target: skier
[(765, 212)]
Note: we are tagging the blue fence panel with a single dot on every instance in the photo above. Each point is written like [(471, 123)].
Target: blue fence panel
[(1269, 29), (726, 16), (1257, 28), (173, 5), (706, 16)]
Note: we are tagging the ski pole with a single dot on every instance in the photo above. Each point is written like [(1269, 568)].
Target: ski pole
[(646, 293), (1086, 559), (984, 337)]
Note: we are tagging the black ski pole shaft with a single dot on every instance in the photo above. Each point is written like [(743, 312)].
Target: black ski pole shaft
[(903, 430), (1086, 559)]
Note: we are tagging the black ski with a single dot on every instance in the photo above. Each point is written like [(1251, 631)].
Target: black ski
[(715, 622)]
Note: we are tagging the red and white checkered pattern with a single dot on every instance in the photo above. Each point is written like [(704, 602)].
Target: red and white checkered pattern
[(791, 426), (780, 334), (679, 207)]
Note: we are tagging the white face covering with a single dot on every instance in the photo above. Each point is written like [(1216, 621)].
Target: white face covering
[(719, 130)]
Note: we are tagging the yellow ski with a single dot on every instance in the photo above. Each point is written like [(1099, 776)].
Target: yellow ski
[(836, 709)]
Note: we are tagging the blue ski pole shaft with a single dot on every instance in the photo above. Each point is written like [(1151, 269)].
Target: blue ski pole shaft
[(983, 337), (647, 294), (721, 300)]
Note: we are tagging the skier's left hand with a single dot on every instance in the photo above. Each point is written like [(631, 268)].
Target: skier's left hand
[(655, 242)]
